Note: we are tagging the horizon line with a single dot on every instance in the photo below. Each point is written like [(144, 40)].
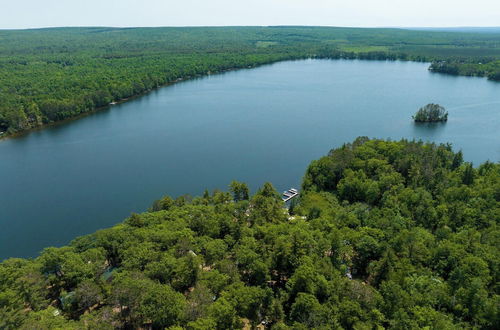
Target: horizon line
[(278, 25)]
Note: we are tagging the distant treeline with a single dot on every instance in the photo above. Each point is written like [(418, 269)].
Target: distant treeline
[(488, 69), (52, 74)]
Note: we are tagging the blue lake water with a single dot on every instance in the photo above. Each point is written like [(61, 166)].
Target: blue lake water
[(263, 124)]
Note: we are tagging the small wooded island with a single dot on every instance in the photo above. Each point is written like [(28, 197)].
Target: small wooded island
[(431, 113)]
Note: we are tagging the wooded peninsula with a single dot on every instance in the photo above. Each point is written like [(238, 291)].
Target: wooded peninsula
[(47, 75), (399, 235)]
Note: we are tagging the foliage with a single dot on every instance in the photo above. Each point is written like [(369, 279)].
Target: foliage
[(431, 113), (47, 75), (490, 69), (400, 235)]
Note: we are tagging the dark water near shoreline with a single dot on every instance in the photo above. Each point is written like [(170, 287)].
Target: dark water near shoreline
[(258, 125)]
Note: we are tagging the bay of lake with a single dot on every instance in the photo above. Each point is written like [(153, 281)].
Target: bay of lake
[(257, 125)]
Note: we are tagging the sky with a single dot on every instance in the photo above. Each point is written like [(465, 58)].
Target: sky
[(19, 14)]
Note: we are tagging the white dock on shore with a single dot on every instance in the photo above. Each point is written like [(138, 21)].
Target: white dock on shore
[(289, 194)]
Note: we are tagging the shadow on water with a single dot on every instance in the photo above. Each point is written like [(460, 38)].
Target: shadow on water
[(60, 128), (429, 130)]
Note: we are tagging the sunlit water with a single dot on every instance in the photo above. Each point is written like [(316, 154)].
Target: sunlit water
[(258, 125)]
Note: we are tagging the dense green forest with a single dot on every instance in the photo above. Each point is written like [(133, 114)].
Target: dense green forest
[(47, 75), (399, 235)]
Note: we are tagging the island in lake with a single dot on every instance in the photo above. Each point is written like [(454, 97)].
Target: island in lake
[(431, 113)]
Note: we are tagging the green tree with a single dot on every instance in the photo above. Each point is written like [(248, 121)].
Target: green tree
[(431, 113), (468, 174), (224, 315), (163, 204), (239, 190), (162, 305), (307, 310), (87, 295)]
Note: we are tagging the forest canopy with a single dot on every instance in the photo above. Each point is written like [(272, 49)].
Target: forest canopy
[(47, 75), (386, 234)]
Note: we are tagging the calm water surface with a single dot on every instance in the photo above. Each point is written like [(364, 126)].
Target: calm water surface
[(258, 125)]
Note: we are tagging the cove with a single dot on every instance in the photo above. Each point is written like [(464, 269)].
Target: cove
[(263, 124)]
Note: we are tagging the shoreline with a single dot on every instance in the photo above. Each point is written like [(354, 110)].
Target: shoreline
[(5, 136)]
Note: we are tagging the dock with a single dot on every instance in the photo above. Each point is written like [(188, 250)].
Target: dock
[(289, 194)]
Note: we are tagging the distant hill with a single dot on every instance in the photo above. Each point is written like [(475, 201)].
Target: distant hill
[(471, 29)]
